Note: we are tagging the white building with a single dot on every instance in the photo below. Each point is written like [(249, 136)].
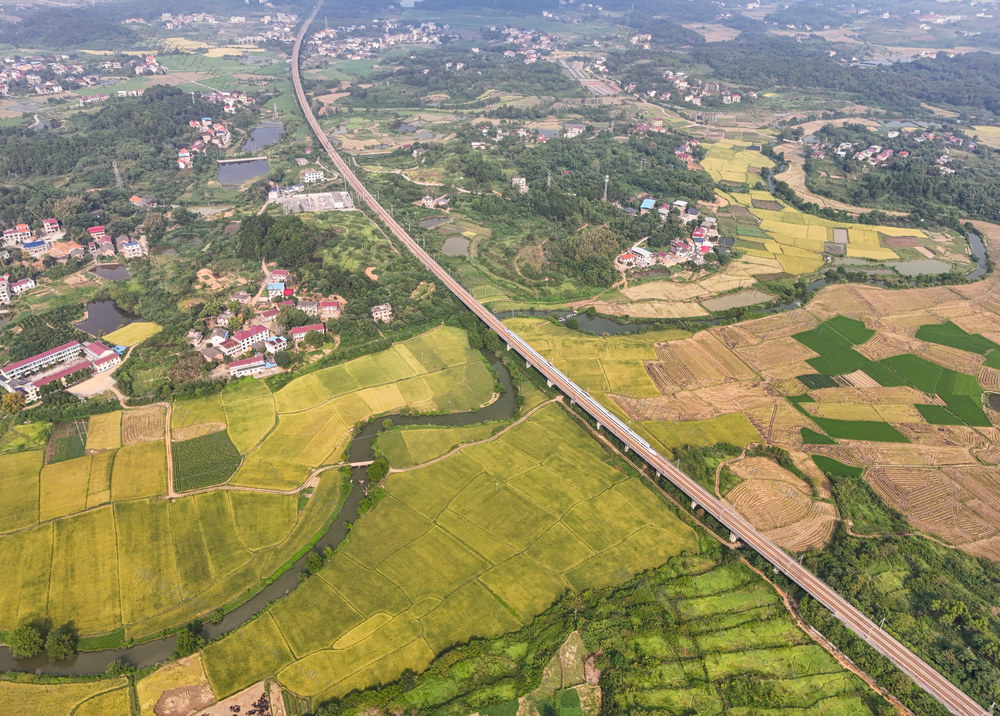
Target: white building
[(23, 285), (27, 366), (312, 176), (521, 183), (275, 344), (5, 288), (382, 313), (247, 366)]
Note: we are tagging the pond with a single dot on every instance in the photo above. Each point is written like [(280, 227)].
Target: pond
[(361, 449), (994, 400), (264, 135), (740, 299), (432, 222), (112, 272), (916, 268), (233, 174), (456, 246), (103, 317)]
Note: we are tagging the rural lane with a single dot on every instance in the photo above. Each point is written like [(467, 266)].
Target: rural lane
[(949, 695)]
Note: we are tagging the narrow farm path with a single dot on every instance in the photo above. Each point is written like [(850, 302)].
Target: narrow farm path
[(718, 470), (171, 492)]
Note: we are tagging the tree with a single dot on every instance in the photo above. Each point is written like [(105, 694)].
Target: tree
[(118, 668), (378, 469), (188, 642), (182, 216), (314, 562), (282, 359), (60, 645), (25, 641), (314, 339), (12, 403)]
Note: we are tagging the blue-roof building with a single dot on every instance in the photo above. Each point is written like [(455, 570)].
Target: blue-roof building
[(647, 204), (275, 289)]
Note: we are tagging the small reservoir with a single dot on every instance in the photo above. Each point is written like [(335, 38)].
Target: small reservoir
[(264, 136), (103, 317), (456, 246), (234, 173), (112, 272)]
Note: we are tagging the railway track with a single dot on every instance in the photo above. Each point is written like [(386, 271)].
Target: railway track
[(947, 694)]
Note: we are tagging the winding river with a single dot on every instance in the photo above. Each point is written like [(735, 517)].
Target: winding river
[(361, 449)]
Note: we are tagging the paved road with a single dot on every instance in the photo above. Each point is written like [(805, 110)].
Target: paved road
[(949, 695)]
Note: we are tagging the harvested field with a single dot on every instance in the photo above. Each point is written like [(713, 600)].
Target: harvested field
[(762, 469), (932, 502), (775, 352), (811, 532), (700, 360), (780, 504), (962, 361), (143, 425), (885, 345), (858, 379)]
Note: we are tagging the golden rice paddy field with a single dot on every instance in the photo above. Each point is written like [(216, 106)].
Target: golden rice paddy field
[(472, 546), (86, 530)]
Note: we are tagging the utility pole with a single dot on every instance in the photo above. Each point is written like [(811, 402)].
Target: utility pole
[(606, 177)]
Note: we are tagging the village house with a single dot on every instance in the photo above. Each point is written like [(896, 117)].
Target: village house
[(247, 366), (275, 344), (240, 297), (21, 233), (217, 337), (297, 334), (520, 183), (24, 284), (244, 340), (223, 318), (269, 316), (96, 232), (329, 309), (5, 288), (49, 227), (382, 313), (275, 289), (35, 249), (101, 357), (310, 308), (133, 250), (279, 276)]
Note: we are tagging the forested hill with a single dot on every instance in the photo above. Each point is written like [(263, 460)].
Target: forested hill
[(966, 82), (145, 129)]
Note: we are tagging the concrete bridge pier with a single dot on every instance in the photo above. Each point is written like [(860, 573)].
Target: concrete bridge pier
[(733, 537), (693, 504), (548, 382), (508, 346)]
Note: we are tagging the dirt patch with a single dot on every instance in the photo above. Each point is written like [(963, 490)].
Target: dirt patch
[(184, 700), (895, 242), (143, 425), (187, 432), (767, 204), (212, 280), (370, 273)]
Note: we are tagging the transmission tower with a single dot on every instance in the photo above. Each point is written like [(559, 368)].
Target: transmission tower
[(642, 164), (548, 180), (606, 177), (118, 176)]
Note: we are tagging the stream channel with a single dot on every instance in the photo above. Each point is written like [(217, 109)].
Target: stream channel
[(361, 449)]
